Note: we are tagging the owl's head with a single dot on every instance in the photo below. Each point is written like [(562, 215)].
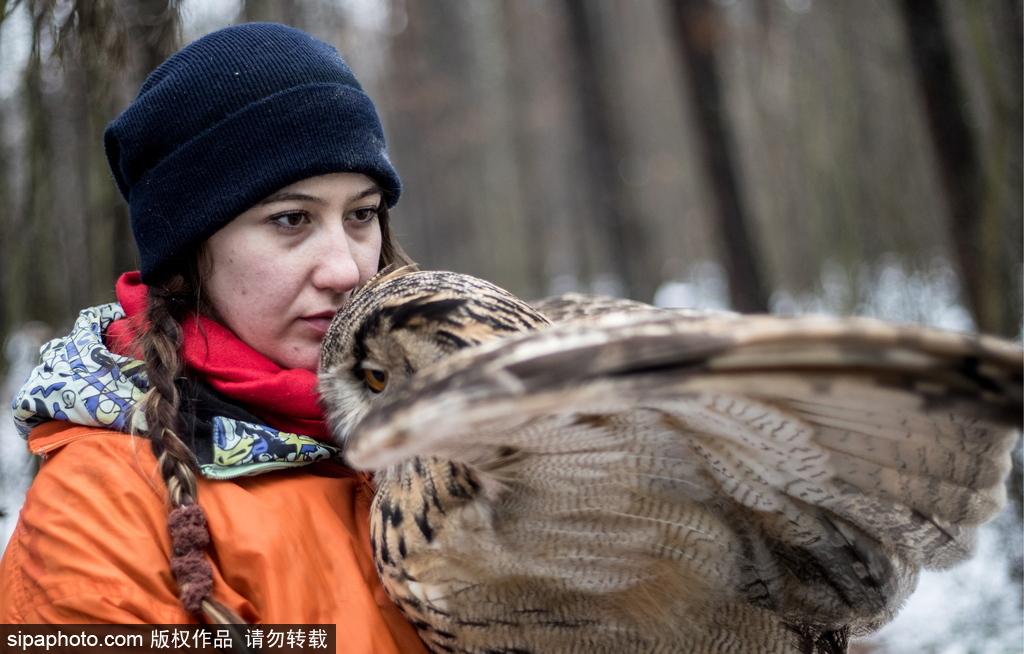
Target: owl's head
[(402, 321)]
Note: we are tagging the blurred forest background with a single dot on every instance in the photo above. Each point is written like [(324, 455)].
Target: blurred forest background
[(761, 155)]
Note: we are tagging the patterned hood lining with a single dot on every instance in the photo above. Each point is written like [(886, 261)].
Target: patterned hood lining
[(82, 382)]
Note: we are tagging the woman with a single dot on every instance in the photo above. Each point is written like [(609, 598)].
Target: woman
[(258, 182)]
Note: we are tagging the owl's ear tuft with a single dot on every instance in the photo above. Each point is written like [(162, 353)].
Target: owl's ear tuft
[(408, 314)]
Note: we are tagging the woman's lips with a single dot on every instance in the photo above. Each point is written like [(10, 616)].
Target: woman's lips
[(319, 322)]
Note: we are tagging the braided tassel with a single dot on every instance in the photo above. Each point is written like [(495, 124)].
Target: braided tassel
[(189, 538)]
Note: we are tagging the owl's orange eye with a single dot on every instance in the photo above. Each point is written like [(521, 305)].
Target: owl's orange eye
[(375, 380)]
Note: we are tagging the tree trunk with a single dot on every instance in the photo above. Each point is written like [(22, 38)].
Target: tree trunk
[(154, 33), (622, 236), (960, 168), (696, 24), (288, 12), (7, 233), (35, 278)]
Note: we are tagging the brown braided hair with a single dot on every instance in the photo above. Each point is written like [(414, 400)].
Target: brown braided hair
[(170, 301)]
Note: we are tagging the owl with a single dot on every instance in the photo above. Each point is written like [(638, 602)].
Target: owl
[(602, 476)]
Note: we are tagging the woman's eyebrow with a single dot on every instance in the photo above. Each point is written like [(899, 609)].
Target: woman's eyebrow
[(286, 195), (303, 197), (367, 192)]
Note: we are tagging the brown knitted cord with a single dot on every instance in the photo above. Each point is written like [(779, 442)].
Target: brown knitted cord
[(192, 571)]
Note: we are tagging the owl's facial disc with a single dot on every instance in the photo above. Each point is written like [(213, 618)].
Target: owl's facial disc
[(398, 325)]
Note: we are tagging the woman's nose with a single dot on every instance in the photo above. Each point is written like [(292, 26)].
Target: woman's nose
[(335, 270)]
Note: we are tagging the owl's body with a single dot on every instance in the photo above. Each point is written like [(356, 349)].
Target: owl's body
[(471, 583), (655, 481)]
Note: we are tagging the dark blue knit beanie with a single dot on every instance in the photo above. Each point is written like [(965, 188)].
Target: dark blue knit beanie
[(228, 120)]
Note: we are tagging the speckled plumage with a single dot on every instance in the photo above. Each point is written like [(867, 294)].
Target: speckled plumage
[(657, 481)]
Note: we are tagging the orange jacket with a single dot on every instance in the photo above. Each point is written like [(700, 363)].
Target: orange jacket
[(92, 546)]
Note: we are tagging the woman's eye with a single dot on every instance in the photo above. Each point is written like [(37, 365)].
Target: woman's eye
[(291, 220), (375, 380), (365, 215)]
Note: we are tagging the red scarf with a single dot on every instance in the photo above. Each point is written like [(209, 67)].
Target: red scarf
[(285, 398)]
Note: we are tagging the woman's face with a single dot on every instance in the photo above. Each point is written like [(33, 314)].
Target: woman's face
[(284, 267)]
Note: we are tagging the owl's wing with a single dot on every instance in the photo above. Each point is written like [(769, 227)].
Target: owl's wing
[(569, 307), (811, 465), (575, 306)]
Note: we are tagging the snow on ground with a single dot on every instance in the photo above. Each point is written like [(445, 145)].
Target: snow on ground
[(16, 465)]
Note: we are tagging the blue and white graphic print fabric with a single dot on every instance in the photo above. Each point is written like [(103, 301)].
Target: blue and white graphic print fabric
[(82, 382), (243, 448)]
